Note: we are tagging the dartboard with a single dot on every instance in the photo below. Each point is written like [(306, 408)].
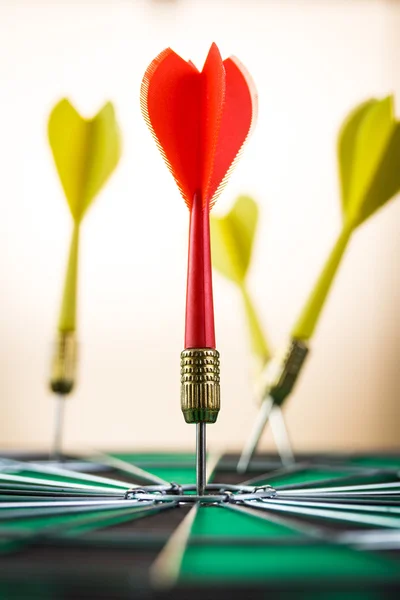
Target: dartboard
[(131, 526)]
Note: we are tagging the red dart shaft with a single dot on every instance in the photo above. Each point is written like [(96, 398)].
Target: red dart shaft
[(199, 331)]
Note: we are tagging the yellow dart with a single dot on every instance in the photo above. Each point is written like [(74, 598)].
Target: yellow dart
[(232, 238), (232, 241), (85, 152), (369, 169)]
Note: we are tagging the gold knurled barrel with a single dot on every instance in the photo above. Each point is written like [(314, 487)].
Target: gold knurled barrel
[(289, 367), (200, 391), (63, 365)]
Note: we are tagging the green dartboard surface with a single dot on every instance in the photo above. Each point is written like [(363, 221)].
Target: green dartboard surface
[(116, 527)]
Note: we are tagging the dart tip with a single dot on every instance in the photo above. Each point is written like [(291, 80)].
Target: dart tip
[(281, 437), (200, 458), (255, 436), (58, 427)]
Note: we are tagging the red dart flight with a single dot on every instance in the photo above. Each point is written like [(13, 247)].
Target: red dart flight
[(200, 121)]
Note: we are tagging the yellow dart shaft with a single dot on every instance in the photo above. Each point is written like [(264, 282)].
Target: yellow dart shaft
[(67, 319)]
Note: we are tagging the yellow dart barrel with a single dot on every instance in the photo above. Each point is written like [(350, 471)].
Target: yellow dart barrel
[(63, 366), (281, 373)]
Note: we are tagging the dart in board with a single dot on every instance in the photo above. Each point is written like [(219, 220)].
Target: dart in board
[(368, 152), (200, 121), (85, 152), (232, 237)]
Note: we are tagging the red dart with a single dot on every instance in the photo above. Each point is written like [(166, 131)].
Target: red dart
[(200, 121)]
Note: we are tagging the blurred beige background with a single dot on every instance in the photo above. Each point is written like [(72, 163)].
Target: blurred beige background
[(312, 62)]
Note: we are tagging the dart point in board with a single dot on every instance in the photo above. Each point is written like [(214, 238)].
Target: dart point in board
[(200, 121)]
